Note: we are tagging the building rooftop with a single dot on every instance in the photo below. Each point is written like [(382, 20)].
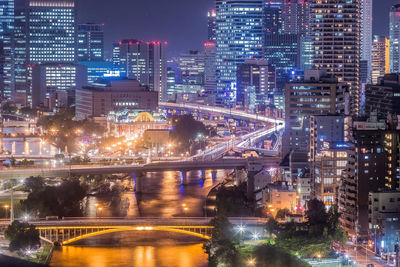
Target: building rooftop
[(122, 85)]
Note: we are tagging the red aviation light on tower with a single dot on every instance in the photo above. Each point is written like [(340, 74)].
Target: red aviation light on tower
[(209, 44)]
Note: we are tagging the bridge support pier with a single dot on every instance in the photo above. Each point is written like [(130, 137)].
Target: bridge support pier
[(184, 178), (203, 174), (239, 176), (139, 176)]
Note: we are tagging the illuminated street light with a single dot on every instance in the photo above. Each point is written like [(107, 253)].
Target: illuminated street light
[(241, 229), (6, 208), (251, 262), (256, 236)]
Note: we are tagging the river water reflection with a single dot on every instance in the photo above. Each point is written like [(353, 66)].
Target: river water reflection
[(163, 196)]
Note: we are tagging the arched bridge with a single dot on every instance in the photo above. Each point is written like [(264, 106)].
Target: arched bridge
[(70, 230)]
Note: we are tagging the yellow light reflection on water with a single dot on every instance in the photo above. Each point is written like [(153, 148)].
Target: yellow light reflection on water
[(191, 255)]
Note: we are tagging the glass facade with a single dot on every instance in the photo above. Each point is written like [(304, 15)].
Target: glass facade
[(90, 42), (394, 37), (239, 37)]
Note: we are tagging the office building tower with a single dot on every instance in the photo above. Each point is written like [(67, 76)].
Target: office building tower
[(52, 31), (210, 80), (50, 78), (335, 30), (383, 98), (295, 17), (44, 32), (394, 37), (282, 52), (273, 17), (239, 36), (192, 66), (90, 42), (380, 57), (306, 52), (317, 94), (143, 61), (212, 24), (255, 80), (366, 38), (6, 31)]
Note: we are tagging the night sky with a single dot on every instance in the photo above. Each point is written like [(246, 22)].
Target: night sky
[(183, 23)]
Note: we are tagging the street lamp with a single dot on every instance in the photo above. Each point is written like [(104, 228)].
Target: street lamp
[(100, 209), (251, 262), (6, 208)]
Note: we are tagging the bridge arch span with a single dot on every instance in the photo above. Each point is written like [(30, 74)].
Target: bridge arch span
[(197, 231)]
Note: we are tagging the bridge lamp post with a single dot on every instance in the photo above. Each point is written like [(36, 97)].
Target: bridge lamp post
[(6, 208), (100, 209)]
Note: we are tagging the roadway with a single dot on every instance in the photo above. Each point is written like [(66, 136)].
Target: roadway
[(222, 111), (18, 173), (84, 221)]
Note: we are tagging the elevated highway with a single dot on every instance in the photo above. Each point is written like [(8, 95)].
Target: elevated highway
[(17, 173)]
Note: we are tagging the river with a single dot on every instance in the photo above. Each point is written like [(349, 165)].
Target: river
[(163, 196)]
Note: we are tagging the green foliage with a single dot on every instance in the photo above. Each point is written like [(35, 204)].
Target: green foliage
[(63, 129), (272, 226), (232, 201), (271, 256), (22, 236), (186, 131), (62, 200), (34, 184), (221, 247), (315, 237)]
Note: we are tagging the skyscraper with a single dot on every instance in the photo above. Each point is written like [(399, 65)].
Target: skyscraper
[(282, 51), (6, 29), (239, 36), (366, 37), (380, 57), (212, 23), (257, 77), (143, 61), (273, 17), (295, 17), (52, 31), (44, 32), (394, 37), (335, 29), (90, 42), (210, 82)]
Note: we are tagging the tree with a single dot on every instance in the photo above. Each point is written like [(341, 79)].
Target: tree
[(221, 248), (34, 184), (316, 212), (186, 131), (272, 226), (281, 214), (22, 236), (63, 200), (271, 256)]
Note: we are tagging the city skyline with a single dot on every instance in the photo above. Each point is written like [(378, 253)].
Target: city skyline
[(192, 14)]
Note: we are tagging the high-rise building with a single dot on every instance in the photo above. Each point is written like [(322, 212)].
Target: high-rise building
[(44, 32), (239, 36), (295, 17), (383, 98), (192, 66), (6, 31), (335, 29), (254, 76), (210, 80), (373, 165), (283, 52), (90, 42), (273, 17), (317, 94), (212, 24), (143, 61), (52, 31), (394, 37), (380, 57), (366, 37)]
